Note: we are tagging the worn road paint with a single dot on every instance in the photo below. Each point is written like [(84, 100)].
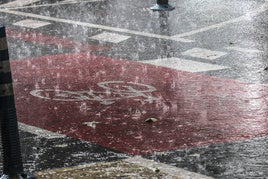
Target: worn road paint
[(31, 23), (192, 109), (55, 4), (106, 96), (110, 37), (40, 132), (244, 50), (204, 53), (247, 16), (179, 37), (90, 25), (50, 40), (18, 3), (184, 64)]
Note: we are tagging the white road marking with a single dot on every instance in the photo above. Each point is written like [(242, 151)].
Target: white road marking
[(78, 1), (170, 171), (57, 4), (92, 124), (179, 37), (103, 27), (31, 23), (244, 50), (247, 16), (110, 37), (18, 3), (127, 90), (184, 65), (204, 53), (40, 132)]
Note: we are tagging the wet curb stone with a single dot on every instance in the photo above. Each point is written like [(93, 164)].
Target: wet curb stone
[(136, 167)]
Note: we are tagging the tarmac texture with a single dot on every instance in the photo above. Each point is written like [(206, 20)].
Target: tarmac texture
[(112, 89)]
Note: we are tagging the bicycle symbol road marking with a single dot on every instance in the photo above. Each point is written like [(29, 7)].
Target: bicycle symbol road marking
[(112, 92)]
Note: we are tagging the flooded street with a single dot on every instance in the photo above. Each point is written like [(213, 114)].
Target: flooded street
[(113, 89)]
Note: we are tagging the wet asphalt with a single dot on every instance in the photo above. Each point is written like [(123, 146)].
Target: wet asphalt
[(236, 28)]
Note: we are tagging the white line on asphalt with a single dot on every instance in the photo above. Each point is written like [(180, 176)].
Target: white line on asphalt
[(18, 3), (78, 1), (85, 24), (170, 171), (204, 53), (247, 16), (244, 50), (179, 37), (204, 29), (55, 4), (40, 132)]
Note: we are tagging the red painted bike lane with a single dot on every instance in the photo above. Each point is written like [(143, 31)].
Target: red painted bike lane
[(106, 101)]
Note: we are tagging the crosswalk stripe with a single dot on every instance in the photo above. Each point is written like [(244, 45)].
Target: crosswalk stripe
[(184, 65)]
